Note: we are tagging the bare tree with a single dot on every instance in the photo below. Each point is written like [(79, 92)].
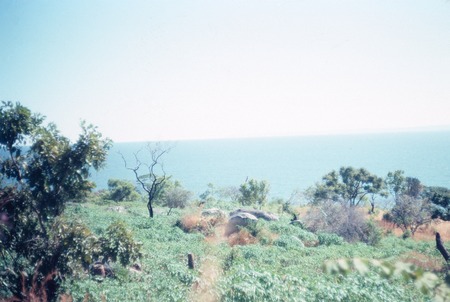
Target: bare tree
[(151, 182), (410, 213)]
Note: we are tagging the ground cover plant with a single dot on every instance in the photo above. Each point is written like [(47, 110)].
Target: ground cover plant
[(283, 262)]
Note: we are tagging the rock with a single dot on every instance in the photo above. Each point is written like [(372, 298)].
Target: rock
[(257, 213), (214, 212), (239, 220)]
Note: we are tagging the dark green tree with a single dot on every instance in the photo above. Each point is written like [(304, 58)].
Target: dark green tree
[(440, 202), (122, 190), (349, 186), (40, 170)]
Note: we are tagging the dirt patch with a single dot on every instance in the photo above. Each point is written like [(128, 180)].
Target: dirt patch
[(204, 288)]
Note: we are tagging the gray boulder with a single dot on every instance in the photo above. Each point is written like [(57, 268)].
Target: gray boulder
[(239, 220), (257, 213), (214, 212)]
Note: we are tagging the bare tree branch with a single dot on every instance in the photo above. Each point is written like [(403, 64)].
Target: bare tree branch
[(155, 181)]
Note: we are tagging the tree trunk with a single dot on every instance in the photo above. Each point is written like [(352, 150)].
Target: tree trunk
[(191, 261), (440, 246), (150, 208)]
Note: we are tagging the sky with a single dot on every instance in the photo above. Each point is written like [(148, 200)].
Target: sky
[(175, 70)]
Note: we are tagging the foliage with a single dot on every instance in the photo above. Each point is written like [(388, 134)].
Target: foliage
[(122, 190), (329, 239), (40, 179), (349, 186), (413, 187), (176, 197), (346, 222), (425, 281), (254, 272), (410, 213), (440, 202), (119, 245), (372, 233), (395, 182), (254, 193), (288, 242)]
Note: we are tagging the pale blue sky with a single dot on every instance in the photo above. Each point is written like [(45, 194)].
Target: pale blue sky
[(157, 70)]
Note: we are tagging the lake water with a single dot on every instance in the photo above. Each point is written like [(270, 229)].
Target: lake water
[(292, 163)]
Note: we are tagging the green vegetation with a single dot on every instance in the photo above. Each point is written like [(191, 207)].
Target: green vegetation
[(254, 193), (60, 242), (121, 190)]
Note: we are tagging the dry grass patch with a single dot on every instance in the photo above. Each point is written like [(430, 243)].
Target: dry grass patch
[(425, 262), (243, 237), (195, 222)]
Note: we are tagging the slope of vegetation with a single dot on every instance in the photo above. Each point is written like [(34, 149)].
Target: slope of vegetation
[(284, 263)]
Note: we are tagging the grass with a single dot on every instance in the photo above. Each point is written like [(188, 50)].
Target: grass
[(271, 261)]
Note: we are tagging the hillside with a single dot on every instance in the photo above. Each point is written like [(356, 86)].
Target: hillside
[(282, 262)]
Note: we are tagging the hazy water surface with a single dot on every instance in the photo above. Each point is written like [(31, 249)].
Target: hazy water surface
[(294, 162)]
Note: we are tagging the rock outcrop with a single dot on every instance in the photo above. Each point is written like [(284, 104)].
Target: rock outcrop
[(257, 213)]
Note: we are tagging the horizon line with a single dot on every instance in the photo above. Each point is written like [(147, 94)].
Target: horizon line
[(442, 128)]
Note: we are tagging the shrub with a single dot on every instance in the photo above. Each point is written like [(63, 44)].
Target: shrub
[(121, 190), (347, 222), (176, 197), (372, 234), (289, 242), (254, 193), (119, 245), (329, 239)]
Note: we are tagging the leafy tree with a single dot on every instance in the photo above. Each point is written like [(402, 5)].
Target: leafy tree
[(348, 185), (413, 187), (176, 197), (38, 179), (398, 184), (122, 190), (395, 182), (254, 193), (151, 183), (440, 202)]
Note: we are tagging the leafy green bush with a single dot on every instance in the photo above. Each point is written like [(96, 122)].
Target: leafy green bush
[(283, 228), (122, 190), (289, 242), (118, 244), (329, 239), (372, 233)]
